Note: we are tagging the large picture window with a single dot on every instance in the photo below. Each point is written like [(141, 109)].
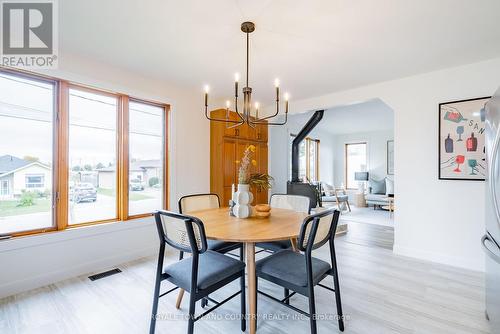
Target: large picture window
[(72, 155), (27, 111), (92, 156), (146, 149), (355, 161)]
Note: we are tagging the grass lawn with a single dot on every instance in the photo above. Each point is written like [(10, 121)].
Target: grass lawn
[(10, 208), (133, 195)]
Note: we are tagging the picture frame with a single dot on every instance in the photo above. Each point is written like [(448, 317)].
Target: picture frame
[(390, 157), (461, 140)]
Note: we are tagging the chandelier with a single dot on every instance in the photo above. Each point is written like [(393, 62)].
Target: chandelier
[(246, 116)]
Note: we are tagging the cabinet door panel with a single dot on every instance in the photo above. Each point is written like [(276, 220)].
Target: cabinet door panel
[(263, 160), (229, 165), (261, 133)]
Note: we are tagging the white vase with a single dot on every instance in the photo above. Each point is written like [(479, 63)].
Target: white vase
[(242, 199)]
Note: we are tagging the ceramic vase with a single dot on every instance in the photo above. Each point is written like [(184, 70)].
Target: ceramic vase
[(242, 200)]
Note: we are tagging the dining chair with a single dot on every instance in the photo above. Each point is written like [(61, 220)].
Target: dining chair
[(191, 203), (300, 272), (284, 201), (205, 272), (342, 197), (195, 202)]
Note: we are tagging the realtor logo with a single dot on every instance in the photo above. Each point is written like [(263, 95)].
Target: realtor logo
[(29, 37)]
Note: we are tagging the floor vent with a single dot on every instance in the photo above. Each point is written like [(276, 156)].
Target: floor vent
[(105, 274)]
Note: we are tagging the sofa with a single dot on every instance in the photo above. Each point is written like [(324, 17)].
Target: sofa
[(379, 191)]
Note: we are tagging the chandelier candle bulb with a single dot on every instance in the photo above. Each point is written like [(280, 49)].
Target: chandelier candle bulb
[(287, 96), (206, 95)]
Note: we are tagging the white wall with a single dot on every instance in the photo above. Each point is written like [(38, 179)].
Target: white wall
[(436, 220), (376, 153), (34, 261)]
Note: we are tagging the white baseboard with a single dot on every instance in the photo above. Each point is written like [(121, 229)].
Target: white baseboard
[(470, 264), (44, 279)]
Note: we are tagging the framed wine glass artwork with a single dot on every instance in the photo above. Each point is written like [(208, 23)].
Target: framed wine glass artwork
[(461, 140)]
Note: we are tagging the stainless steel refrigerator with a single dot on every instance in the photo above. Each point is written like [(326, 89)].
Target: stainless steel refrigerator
[(491, 240)]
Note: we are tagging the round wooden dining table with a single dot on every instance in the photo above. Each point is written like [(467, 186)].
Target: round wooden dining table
[(280, 225)]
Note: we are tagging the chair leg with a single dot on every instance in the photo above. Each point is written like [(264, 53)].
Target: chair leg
[(312, 310), (338, 299), (192, 308), (181, 255), (348, 205), (243, 303), (286, 294), (156, 297)]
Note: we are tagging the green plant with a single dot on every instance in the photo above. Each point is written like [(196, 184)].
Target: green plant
[(261, 181), (153, 181), (27, 199)]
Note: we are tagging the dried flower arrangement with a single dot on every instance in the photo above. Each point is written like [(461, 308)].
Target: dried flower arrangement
[(260, 180)]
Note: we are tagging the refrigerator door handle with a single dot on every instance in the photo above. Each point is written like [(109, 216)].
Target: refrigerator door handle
[(493, 171), (487, 250)]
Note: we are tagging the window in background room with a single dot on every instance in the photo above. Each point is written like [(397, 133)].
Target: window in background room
[(308, 159), (27, 111), (146, 157), (313, 159), (92, 156), (355, 161)]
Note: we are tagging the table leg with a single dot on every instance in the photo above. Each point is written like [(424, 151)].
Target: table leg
[(252, 286), (294, 244)]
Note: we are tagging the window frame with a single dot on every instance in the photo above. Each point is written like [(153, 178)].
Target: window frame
[(117, 146), (307, 142), (7, 192), (346, 161), (165, 153), (60, 152)]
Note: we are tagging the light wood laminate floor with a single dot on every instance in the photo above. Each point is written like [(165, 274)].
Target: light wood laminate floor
[(381, 292)]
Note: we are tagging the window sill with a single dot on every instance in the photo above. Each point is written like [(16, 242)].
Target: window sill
[(73, 233)]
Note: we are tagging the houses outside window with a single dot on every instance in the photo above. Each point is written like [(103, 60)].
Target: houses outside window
[(34, 181)]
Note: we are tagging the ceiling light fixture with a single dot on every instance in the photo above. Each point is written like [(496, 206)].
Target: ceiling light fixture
[(246, 116)]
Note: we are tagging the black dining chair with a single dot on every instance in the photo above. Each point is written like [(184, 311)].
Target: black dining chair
[(201, 274), (300, 272), (195, 202)]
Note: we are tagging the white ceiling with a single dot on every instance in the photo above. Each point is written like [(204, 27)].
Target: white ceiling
[(369, 116), (314, 46)]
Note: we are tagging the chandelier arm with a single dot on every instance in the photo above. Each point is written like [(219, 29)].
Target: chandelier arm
[(219, 119), (271, 116), (235, 125), (274, 123), (236, 109)]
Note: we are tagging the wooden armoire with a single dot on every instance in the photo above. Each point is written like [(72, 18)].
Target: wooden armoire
[(226, 147)]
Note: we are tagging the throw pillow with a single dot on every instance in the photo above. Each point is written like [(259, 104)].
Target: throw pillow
[(377, 187), (328, 189), (389, 186)]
